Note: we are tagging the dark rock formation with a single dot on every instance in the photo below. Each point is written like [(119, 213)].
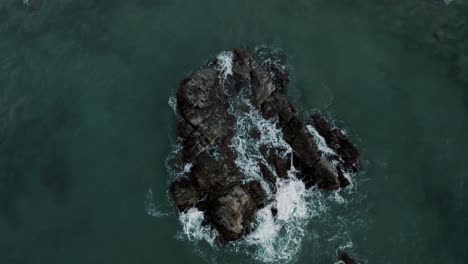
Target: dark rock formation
[(206, 119), (346, 258), (345, 151)]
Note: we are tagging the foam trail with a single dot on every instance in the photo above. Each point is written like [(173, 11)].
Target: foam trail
[(320, 141), (193, 229), (336, 197), (172, 102), (225, 62), (188, 167), (326, 151), (276, 237), (247, 149)]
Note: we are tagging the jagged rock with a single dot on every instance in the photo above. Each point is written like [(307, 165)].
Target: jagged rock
[(207, 116), (280, 164), (213, 176), (346, 258), (185, 193), (232, 213), (267, 174), (280, 77), (338, 142)]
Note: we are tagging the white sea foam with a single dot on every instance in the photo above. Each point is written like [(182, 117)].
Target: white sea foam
[(336, 197), (321, 142), (174, 164), (193, 228), (290, 200), (247, 148), (172, 102), (225, 62), (348, 245), (326, 151), (275, 238), (268, 56), (188, 167), (279, 238), (214, 152)]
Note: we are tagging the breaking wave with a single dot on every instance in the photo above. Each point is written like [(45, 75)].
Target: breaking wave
[(320, 141), (247, 148), (172, 102), (282, 226), (193, 228), (224, 63), (279, 238)]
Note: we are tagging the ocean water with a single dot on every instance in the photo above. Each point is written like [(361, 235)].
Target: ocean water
[(86, 129)]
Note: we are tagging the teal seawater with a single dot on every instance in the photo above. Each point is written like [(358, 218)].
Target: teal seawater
[(85, 127)]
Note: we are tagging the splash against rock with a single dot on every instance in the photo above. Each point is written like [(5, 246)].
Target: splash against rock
[(226, 105)]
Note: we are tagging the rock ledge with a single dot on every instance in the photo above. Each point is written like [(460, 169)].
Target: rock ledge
[(209, 104)]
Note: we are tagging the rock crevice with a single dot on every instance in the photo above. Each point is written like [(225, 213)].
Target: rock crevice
[(207, 117)]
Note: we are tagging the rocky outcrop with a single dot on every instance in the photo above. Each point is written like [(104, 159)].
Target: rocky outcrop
[(346, 259), (207, 116)]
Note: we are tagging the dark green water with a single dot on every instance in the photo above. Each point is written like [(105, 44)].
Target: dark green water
[(86, 128)]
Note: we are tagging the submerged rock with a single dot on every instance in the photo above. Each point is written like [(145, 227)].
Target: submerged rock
[(210, 102)]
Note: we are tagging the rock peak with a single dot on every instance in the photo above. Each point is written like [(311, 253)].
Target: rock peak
[(210, 104)]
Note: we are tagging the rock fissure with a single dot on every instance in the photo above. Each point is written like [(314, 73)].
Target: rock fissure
[(229, 192)]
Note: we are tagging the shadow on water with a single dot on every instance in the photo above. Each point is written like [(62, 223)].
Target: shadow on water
[(54, 174), (458, 73), (33, 155), (452, 217), (12, 186), (465, 96)]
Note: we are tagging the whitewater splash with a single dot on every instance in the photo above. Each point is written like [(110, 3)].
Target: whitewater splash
[(224, 63), (247, 148), (277, 238), (281, 226), (320, 141), (172, 102), (328, 152), (193, 228)]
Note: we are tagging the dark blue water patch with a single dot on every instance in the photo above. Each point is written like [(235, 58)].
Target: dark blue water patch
[(452, 218), (32, 153), (12, 187), (55, 175)]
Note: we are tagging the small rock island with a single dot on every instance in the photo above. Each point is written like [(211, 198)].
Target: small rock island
[(211, 103)]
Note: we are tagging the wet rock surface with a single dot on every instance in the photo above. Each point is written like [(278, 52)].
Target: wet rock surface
[(346, 259), (207, 113)]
